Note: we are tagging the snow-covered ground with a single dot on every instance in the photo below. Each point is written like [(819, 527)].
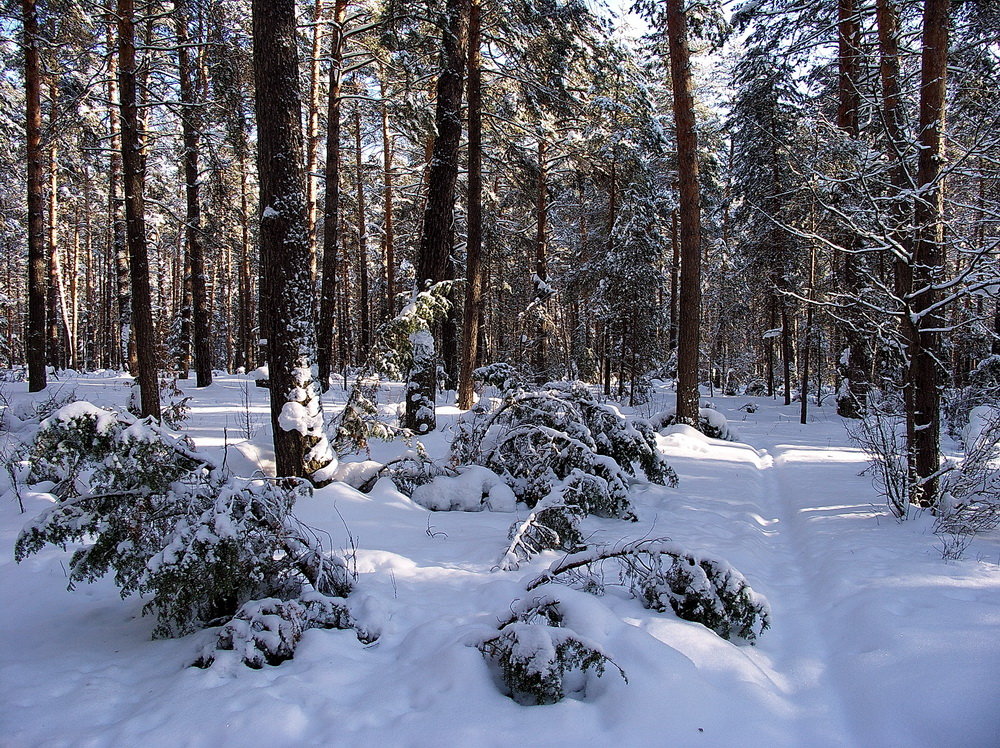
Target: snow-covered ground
[(875, 640)]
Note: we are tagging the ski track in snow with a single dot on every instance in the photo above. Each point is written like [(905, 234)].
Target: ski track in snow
[(875, 641), (808, 659)]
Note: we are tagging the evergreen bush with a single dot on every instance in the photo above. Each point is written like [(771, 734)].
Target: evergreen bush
[(536, 438), (536, 655), (662, 575), (169, 524)]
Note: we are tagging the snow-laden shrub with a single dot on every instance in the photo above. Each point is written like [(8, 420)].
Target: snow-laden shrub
[(536, 438), (501, 375), (970, 502), (662, 575), (755, 388), (881, 433), (75, 437), (35, 409), (710, 422), (704, 590), (359, 421), (174, 404), (538, 658), (983, 389), (414, 468), (554, 524), (474, 489), (149, 508), (266, 632)]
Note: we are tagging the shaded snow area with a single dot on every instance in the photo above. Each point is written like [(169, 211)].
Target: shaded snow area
[(874, 639)]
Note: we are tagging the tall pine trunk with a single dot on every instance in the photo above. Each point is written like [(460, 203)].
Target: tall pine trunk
[(331, 212), (364, 302), (300, 447), (855, 369), (312, 131), (689, 306), (195, 251), (474, 244), (541, 265), (37, 268), (134, 172), (925, 376), (433, 261), (388, 228)]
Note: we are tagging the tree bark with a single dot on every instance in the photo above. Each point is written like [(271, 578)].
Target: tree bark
[(191, 131), (541, 270), (312, 132), (925, 377), (300, 447), (854, 370), (55, 340), (134, 171), (37, 268), (124, 354), (331, 210), (689, 307), (388, 231), (436, 236), (474, 243), (364, 302)]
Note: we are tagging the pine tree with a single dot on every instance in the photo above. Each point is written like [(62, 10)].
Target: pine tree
[(300, 447), (690, 217), (437, 238)]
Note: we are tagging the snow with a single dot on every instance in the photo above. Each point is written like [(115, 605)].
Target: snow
[(103, 420), (296, 417), (874, 640), (475, 488)]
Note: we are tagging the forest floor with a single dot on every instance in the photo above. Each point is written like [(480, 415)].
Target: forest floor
[(875, 640)]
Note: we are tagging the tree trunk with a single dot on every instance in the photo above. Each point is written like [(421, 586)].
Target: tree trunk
[(896, 150), (300, 447), (925, 377), (474, 243), (134, 171), (312, 132), (125, 355), (689, 308), (854, 370), (37, 267), (191, 128), (53, 339), (364, 302), (248, 342), (436, 236), (541, 270), (675, 271), (388, 235), (807, 337), (331, 210), (786, 351)]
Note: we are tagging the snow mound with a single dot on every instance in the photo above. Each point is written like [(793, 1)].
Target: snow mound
[(104, 420), (710, 422), (475, 488), (356, 474)]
